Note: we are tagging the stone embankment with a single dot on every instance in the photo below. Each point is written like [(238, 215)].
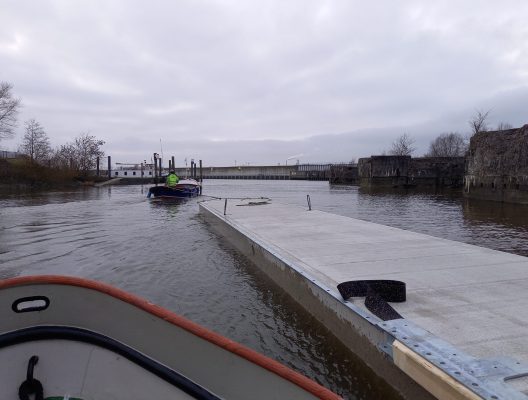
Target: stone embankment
[(497, 166)]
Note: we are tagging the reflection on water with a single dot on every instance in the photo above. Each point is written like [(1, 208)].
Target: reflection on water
[(163, 251), (498, 226)]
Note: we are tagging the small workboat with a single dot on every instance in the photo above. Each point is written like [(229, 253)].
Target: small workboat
[(184, 188), (71, 338)]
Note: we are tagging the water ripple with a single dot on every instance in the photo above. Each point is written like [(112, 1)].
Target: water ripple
[(167, 254)]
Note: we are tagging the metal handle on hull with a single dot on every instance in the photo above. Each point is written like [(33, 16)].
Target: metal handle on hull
[(32, 303)]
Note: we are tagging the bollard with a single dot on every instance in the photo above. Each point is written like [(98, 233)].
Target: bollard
[(225, 206), (309, 202)]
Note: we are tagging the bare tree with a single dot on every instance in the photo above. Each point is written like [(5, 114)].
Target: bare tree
[(478, 122), (504, 126), (8, 111), (403, 146), (35, 142), (450, 144), (64, 156), (87, 148)]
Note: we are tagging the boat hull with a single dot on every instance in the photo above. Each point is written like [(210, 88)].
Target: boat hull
[(184, 189), (96, 341)]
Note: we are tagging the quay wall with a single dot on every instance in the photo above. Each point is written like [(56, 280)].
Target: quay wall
[(497, 166), (250, 172), (318, 172)]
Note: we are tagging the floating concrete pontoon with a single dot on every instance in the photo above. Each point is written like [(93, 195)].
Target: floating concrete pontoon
[(464, 331)]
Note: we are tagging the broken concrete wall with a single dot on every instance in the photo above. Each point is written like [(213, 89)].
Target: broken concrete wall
[(344, 174), (497, 166), (384, 171), (404, 171), (437, 171)]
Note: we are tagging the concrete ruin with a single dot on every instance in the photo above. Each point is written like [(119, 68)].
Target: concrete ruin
[(344, 174), (406, 172), (497, 166)]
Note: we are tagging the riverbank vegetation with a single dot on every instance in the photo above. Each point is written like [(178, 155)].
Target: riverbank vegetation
[(38, 164), (25, 173)]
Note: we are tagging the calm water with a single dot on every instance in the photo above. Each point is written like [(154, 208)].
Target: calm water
[(165, 252)]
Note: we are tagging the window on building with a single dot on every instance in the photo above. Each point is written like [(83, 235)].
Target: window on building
[(116, 173), (134, 173), (125, 173), (150, 172)]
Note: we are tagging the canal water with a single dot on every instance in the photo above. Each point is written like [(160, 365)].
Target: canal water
[(165, 252)]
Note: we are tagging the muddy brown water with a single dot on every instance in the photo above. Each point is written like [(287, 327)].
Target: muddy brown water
[(165, 252)]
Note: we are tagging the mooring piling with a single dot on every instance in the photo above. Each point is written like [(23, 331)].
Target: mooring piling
[(201, 177), (109, 167)]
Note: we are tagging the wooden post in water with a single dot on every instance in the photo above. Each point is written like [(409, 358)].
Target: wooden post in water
[(201, 179), (97, 166), (155, 168), (173, 165), (160, 169), (109, 167)]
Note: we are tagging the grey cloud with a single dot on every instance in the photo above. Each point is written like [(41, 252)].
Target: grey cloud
[(265, 80)]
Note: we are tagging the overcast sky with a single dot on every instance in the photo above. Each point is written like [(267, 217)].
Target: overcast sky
[(262, 82)]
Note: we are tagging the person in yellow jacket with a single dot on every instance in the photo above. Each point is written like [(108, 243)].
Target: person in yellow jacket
[(172, 179)]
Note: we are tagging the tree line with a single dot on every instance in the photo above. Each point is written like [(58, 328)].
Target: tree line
[(448, 144), (79, 155)]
